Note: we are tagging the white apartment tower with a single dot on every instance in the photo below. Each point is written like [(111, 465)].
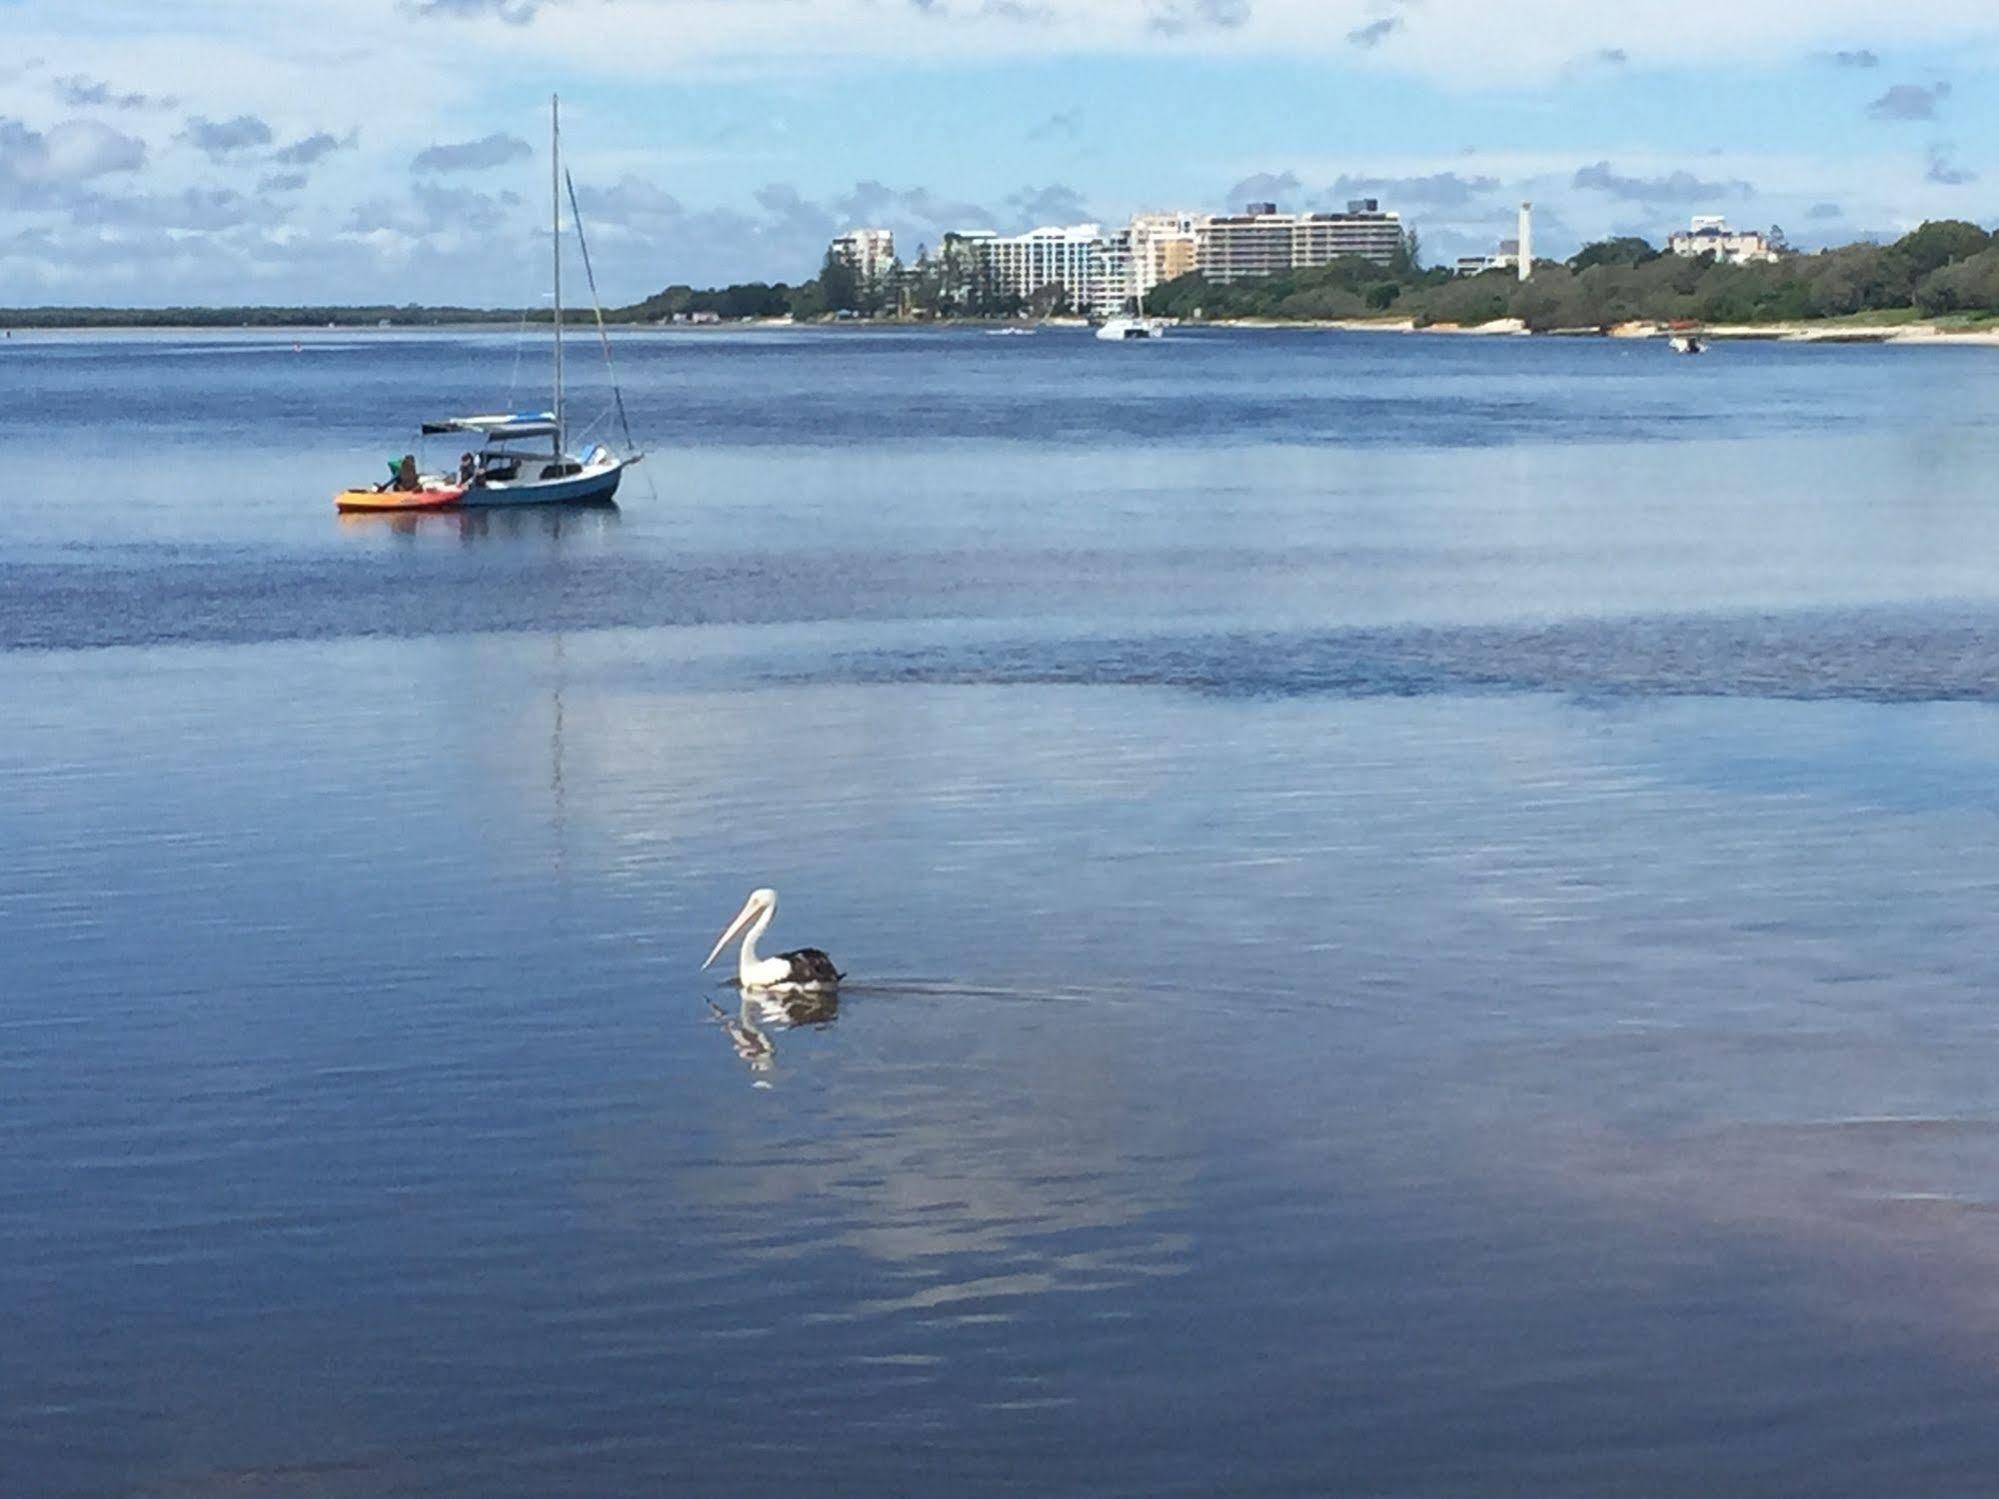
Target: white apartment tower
[(870, 252), (1075, 257), (1526, 247)]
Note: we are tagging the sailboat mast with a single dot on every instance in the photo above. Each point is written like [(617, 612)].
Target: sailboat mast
[(555, 238)]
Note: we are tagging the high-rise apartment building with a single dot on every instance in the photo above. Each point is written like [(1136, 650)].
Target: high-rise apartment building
[(1112, 273), (1063, 256), (870, 252), (1073, 257), (1163, 246), (1260, 241)]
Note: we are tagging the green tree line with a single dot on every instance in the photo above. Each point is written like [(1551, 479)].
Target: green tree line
[(1947, 267)]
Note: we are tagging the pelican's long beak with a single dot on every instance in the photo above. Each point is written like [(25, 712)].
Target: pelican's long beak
[(733, 930)]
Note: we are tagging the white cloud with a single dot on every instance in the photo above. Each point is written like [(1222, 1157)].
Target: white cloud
[(1464, 41), (73, 151), (1676, 186), (495, 150), (1374, 33), (1433, 191), (219, 138), (1281, 188), (79, 92), (205, 208), (227, 58), (304, 152)]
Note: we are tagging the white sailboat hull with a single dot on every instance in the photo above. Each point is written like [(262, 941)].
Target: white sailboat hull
[(597, 484), (1123, 329)]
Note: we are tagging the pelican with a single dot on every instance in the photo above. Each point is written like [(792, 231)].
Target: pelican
[(803, 972)]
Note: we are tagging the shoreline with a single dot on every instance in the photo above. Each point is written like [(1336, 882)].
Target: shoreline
[(1829, 331)]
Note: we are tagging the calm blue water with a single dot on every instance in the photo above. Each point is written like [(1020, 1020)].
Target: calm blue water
[(1420, 916)]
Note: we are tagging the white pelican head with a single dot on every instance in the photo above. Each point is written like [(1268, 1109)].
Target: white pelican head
[(757, 909)]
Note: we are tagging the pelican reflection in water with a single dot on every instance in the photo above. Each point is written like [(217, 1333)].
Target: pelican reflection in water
[(750, 1029)]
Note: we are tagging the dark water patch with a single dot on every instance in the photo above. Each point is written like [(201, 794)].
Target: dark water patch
[(1944, 653), (898, 390), (175, 599), (1866, 656)]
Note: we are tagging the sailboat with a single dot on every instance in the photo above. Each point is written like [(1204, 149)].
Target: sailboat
[(1120, 328), (510, 467)]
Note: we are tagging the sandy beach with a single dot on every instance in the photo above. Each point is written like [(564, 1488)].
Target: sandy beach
[(1831, 331)]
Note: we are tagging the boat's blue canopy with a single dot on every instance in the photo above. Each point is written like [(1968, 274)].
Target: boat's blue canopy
[(519, 424)]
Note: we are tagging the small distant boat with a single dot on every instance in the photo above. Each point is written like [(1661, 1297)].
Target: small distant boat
[(1688, 343), (1009, 332), (505, 470), (1122, 329)]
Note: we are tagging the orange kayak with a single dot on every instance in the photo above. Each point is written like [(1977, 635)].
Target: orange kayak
[(398, 499)]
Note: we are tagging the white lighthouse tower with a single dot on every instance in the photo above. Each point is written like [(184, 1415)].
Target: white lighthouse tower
[(1526, 240)]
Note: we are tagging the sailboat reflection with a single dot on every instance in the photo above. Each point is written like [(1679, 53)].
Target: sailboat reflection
[(554, 522), (762, 1013)]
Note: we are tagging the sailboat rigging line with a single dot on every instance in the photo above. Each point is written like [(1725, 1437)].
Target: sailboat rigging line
[(555, 244), (603, 334), (520, 342)]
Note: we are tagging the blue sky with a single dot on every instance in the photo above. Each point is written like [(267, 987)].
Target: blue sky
[(395, 150)]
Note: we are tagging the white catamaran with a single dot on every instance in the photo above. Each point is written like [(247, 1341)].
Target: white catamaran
[(510, 467), (1120, 329)]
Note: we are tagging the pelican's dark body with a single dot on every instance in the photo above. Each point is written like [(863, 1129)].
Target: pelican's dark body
[(811, 968)]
